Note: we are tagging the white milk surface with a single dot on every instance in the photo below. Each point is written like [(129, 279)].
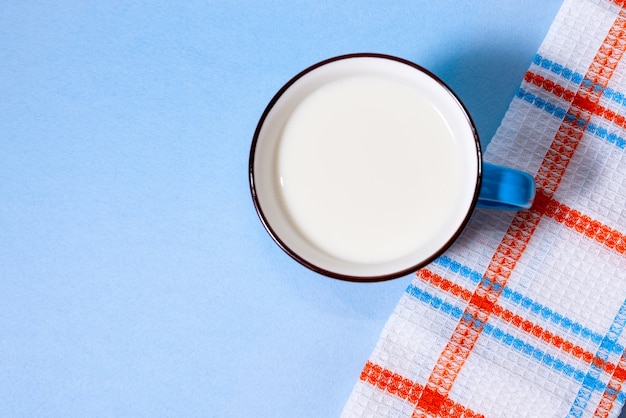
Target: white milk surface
[(369, 169)]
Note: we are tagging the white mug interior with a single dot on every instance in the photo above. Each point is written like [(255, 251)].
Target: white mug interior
[(266, 188)]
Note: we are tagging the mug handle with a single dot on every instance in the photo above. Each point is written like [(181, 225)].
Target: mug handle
[(505, 188)]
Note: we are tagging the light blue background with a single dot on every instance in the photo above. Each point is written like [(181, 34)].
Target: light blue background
[(135, 277)]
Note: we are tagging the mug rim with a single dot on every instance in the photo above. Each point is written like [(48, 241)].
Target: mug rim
[(347, 277)]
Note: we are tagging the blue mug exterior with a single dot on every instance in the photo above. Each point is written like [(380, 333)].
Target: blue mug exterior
[(505, 188), (496, 187)]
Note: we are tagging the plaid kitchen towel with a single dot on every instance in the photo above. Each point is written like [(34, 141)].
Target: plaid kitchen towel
[(525, 314)]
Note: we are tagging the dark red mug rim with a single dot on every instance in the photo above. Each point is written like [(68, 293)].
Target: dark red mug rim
[(329, 273)]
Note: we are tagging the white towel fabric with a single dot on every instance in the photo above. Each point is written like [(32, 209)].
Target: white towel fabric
[(524, 315)]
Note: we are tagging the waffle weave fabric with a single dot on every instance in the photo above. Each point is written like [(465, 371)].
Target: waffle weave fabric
[(524, 316)]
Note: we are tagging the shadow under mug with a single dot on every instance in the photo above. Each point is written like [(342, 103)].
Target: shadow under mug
[(366, 167)]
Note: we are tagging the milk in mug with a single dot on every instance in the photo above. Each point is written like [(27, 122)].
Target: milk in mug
[(370, 168)]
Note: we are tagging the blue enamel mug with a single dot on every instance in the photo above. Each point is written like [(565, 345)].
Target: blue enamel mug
[(366, 167)]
